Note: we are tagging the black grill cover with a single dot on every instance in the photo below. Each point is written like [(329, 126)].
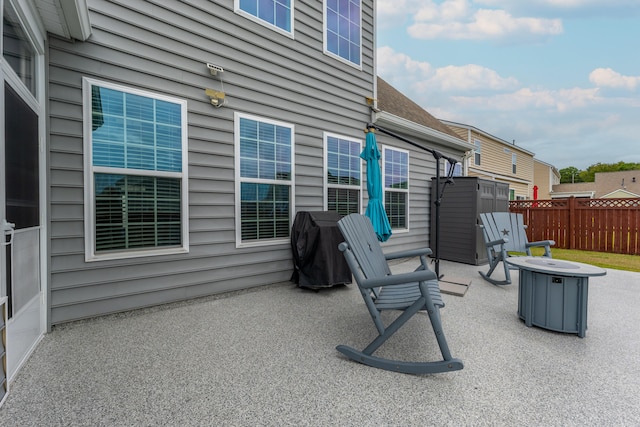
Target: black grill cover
[(318, 263)]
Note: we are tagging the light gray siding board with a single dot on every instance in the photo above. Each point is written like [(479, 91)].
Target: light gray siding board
[(62, 177), (158, 297), (67, 229), (67, 194), (67, 211), (105, 273), (65, 160), (67, 245)]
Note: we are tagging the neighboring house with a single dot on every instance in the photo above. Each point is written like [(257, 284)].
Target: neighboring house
[(623, 184), (157, 154), (545, 176), (612, 185), (494, 158)]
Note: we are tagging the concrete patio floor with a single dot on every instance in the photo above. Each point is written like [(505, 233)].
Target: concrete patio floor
[(267, 357)]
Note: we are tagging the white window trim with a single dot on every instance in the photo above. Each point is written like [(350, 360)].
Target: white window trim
[(238, 180), (89, 170), (397, 190), (324, 39), (290, 34), (326, 185)]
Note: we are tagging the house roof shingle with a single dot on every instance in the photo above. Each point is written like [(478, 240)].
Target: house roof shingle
[(394, 102)]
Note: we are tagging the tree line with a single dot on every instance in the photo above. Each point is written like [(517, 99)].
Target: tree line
[(572, 174)]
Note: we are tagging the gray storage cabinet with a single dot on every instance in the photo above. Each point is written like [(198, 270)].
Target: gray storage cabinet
[(460, 235)]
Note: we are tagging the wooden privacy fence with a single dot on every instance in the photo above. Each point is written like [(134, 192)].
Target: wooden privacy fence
[(602, 225)]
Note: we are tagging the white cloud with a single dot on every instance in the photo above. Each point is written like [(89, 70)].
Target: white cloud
[(606, 77), (526, 99), (423, 77), (395, 13), (470, 77), (449, 10), (393, 64), (559, 4), (481, 24)]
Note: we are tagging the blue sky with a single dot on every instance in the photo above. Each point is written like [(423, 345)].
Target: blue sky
[(560, 77)]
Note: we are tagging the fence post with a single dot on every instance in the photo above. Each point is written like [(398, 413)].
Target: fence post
[(571, 222)]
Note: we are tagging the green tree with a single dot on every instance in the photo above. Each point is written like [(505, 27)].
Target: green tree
[(570, 175), (589, 175)]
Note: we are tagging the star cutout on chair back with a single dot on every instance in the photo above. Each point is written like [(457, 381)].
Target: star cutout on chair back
[(505, 232)]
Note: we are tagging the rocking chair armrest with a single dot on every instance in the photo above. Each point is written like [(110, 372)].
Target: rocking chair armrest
[(399, 279), (497, 242), (541, 243), (408, 253)]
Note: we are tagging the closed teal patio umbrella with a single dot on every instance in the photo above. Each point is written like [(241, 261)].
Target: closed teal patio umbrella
[(375, 208)]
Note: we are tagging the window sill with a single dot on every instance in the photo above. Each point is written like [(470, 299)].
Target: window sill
[(135, 254)]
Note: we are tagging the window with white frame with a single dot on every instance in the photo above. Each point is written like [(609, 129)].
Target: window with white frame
[(276, 14), (513, 162), (17, 50), (478, 151), (343, 174), (457, 168), (264, 152), (343, 29), (136, 172), (395, 172)]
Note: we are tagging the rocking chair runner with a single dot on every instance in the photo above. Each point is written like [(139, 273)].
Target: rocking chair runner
[(381, 290), (505, 233)]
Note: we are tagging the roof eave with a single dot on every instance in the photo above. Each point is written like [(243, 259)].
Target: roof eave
[(76, 16), (411, 128)]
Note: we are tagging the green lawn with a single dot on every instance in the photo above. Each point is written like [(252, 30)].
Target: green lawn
[(601, 259)]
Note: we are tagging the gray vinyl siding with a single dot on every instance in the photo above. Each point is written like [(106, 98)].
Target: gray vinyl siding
[(162, 46)]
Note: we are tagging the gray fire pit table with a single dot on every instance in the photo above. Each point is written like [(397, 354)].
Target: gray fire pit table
[(553, 294)]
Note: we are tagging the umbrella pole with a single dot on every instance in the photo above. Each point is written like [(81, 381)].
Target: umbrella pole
[(438, 202)]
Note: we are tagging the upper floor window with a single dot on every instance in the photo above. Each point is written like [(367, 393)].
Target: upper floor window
[(264, 180), (478, 151), (395, 172), (343, 174), (343, 29), (277, 14), (136, 172), (17, 50), (513, 162)]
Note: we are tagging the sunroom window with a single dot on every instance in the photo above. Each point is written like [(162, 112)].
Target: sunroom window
[(136, 182), (264, 182), (343, 177), (343, 29)]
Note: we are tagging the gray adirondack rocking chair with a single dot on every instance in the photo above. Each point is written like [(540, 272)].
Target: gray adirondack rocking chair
[(504, 234), (382, 290)]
